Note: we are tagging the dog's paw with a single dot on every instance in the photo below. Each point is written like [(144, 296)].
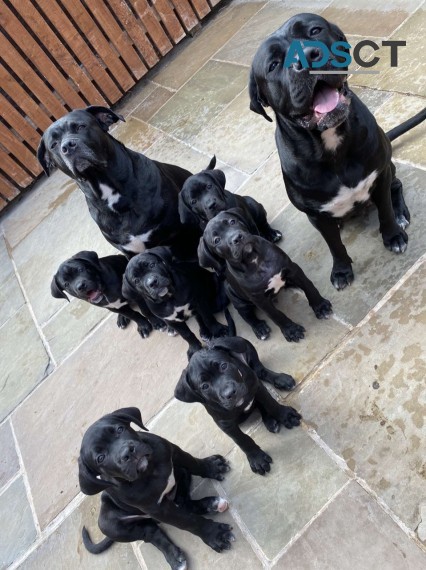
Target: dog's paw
[(294, 332), (215, 467), (219, 536), (323, 310), (192, 350), (284, 382), (176, 558), (158, 324), (289, 417), (171, 331), (218, 505), (341, 278), (397, 243), (262, 330), (271, 424), (145, 329), (122, 321), (217, 331), (260, 462), (274, 236)]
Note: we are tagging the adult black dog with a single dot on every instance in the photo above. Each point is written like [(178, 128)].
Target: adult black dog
[(203, 195), (255, 270), (333, 154), (225, 378), (133, 199), (174, 291), (145, 479), (98, 280)]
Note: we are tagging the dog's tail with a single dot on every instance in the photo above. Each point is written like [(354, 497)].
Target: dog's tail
[(232, 330), (92, 546), (407, 125)]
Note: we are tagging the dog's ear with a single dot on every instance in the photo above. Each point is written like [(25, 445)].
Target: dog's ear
[(218, 176), (212, 163), (127, 289), (238, 346), (128, 415), (186, 215), (257, 103), (90, 256), (184, 391), (56, 289), (339, 35), (104, 116), (208, 259), (89, 482), (163, 253), (43, 157)]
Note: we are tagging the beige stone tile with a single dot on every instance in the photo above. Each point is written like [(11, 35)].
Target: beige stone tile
[(68, 328), (368, 403), (359, 534), (64, 548), (243, 139), (113, 369), (396, 110), (5, 262), (199, 555), (242, 47), (408, 77), (192, 54), (136, 135), (371, 97), (274, 508), (201, 99), (67, 230), (11, 298), (9, 462), (141, 91), (152, 103), (19, 532), (23, 360), (174, 151)]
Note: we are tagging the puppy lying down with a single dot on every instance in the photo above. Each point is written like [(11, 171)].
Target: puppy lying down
[(145, 481), (225, 378)]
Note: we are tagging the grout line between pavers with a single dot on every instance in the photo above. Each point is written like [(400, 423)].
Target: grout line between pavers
[(408, 163), (302, 531), (138, 554)]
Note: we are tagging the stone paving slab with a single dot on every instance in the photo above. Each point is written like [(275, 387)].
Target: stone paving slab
[(9, 462), (353, 533), (375, 418), (274, 508), (18, 529)]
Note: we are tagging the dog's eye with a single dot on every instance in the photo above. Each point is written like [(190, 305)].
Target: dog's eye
[(273, 65), (315, 31), (223, 365), (204, 386), (193, 201), (53, 145), (209, 186), (152, 265), (231, 222), (81, 127), (100, 458), (136, 280), (66, 283), (216, 240), (80, 269), (120, 429)]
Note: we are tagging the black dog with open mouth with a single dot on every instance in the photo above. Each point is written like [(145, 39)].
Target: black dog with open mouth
[(174, 291), (256, 270), (145, 480), (333, 154), (225, 378), (203, 195), (98, 280)]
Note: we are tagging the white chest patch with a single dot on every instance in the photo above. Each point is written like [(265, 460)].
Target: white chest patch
[(246, 409), (346, 197), (171, 482), (116, 305), (136, 244), (275, 283), (331, 139), (109, 195), (180, 314)]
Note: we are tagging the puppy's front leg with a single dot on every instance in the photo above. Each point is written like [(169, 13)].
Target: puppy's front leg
[(186, 333), (321, 307), (291, 331), (281, 380), (212, 467), (286, 415)]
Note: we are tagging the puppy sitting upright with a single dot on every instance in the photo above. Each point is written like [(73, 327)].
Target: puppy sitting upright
[(203, 195), (225, 378), (175, 290), (255, 270), (145, 480), (98, 280)]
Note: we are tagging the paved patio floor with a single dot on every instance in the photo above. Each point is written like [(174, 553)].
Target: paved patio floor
[(347, 490)]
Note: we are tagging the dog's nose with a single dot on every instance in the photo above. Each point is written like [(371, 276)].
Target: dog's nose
[(311, 53), (152, 281), (228, 392), (68, 147), (236, 238), (211, 204), (81, 286), (127, 452)]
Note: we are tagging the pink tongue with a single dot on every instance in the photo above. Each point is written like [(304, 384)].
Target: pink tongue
[(93, 295), (326, 99)]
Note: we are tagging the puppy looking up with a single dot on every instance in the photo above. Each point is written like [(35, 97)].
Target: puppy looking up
[(225, 378), (333, 154), (174, 291), (256, 270), (203, 195), (98, 280), (145, 481)]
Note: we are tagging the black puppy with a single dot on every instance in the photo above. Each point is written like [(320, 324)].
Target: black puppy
[(175, 290), (98, 280), (225, 378), (145, 479), (333, 154), (255, 270), (133, 199), (203, 195)]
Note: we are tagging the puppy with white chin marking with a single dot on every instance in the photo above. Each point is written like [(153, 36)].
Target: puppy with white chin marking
[(225, 378), (145, 481), (98, 280), (256, 270)]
